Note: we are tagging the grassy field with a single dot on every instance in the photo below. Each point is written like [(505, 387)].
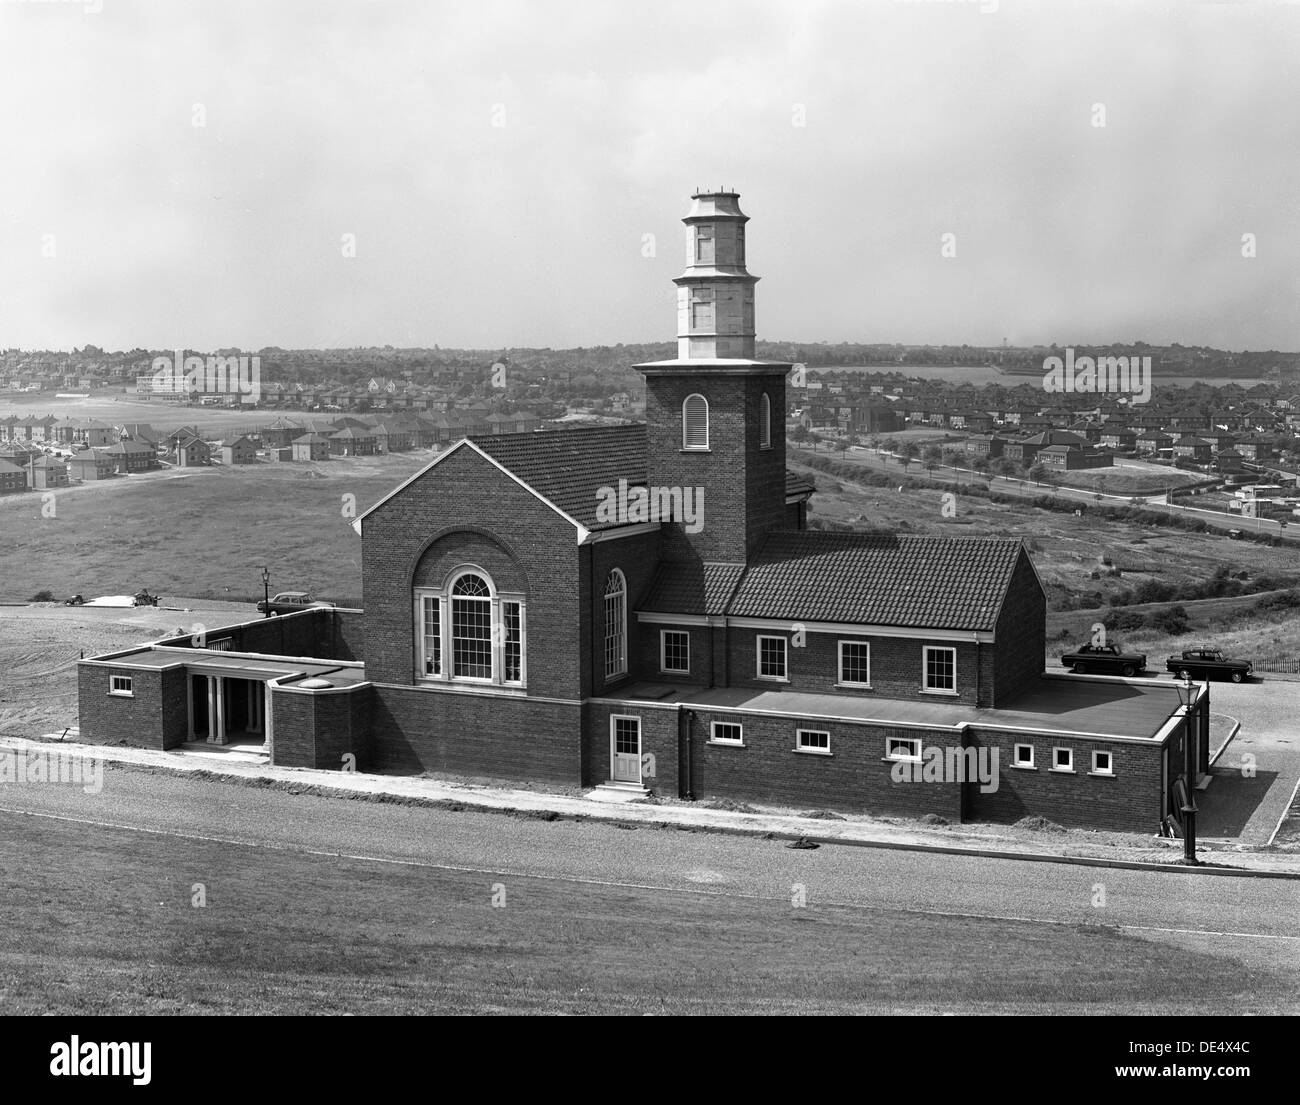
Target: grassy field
[(200, 532), (100, 921), (162, 416)]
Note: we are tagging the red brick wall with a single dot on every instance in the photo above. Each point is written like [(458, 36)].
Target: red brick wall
[(638, 559), (1128, 802), (156, 717), (744, 486), (1021, 633), (503, 736), (531, 544), (659, 740), (895, 665)]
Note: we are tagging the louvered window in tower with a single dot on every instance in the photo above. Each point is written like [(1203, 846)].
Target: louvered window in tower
[(695, 422)]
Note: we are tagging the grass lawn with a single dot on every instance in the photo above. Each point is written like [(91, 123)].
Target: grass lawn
[(100, 921)]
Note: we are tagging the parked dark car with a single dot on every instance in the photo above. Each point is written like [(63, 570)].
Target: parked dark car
[(286, 602), (143, 598), (1104, 659), (1208, 663), (76, 600)]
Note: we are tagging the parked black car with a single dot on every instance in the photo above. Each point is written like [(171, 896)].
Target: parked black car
[(1104, 660), (1208, 663)]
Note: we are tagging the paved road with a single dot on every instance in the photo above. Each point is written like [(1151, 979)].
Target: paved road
[(1253, 919)]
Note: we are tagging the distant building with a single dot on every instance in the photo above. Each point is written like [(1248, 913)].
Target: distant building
[(241, 450)]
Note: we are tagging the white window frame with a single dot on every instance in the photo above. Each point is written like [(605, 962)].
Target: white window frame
[(733, 742), (911, 757), (497, 601), (799, 745), (1110, 757), (925, 670), (758, 659), (619, 640), (663, 651), (686, 441), (1069, 767), (121, 686), (765, 422), (840, 681), (1024, 765)]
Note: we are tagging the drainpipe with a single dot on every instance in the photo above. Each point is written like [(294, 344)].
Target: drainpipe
[(684, 719), (978, 671)]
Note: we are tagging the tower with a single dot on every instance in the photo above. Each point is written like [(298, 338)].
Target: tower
[(715, 416)]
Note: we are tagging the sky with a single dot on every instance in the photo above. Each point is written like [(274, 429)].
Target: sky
[(252, 173)]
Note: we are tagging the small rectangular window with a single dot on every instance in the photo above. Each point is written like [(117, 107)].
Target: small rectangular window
[(855, 663), (675, 651), (1062, 759), (1103, 763), (703, 245), (771, 658), (726, 732), (939, 669), (1024, 756), (123, 685), (903, 748), (812, 740)]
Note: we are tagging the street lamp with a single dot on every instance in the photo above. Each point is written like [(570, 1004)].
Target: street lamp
[(266, 592), (1186, 697)]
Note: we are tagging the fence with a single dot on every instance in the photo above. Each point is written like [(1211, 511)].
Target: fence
[(1278, 664)]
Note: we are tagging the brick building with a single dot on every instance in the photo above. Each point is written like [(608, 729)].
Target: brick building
[(642, 608)]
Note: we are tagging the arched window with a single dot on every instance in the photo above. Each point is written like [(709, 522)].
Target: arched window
[(471, 628), (468, 631), (765, 422), (695, 422), (615, 624)]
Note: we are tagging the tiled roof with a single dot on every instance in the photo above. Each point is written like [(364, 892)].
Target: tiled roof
[(878, 579), (691, 587), (570, 467)]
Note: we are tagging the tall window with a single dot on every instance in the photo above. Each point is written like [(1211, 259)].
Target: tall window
[(471, 628), (615, 624), (939, 669), (765, 422), (855, 663), (432, 634), (771, 658), (703, 245), (466, 631), (702, 309), (695, 422)]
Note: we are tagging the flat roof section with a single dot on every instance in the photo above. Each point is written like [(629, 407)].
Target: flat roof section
[(1059, 704), (207, 662)]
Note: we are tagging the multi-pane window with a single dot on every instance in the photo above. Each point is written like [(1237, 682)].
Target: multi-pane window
[(695, 422), (615, 624), (726, 732), (121, 684), (855, 663), (771, 658), (812, 740), (940, 669), (512, 652), (432, 634), (765, 422), (471, 628), (466, 631), (903, 748), (674, 650)]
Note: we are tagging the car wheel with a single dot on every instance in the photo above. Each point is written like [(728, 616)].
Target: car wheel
[(1237, 676), (1080, 669), (1184, 674), (1129, 671)]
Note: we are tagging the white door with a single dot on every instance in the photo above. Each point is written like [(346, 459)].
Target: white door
[(625, 743)]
